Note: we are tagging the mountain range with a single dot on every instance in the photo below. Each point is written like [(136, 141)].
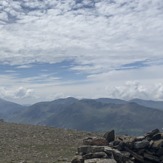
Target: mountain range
[(130, 117)]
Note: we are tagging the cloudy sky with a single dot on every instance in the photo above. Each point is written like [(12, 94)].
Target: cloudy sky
[(52, 49)]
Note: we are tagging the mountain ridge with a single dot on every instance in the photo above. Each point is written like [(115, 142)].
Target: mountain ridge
[(90, 115)]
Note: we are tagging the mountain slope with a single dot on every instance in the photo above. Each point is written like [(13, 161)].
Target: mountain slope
[(41, 111), (129, 118), (9, 109), (149, 103), (110, 100), (91, 115)]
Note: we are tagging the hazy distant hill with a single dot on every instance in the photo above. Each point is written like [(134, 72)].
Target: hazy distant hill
[(149, 103), (9, 109), (41, 111), (93, 115), (110, 100)]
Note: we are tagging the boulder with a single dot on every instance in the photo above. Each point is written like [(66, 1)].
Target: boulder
[(110, 136), (140, 138), (95, 141), (151, 157), (160, 152), (95, 155), (90, 149), (157, 144), (141, 144), (153, 132), (156, 136)]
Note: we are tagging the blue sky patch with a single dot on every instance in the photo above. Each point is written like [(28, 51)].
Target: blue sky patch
[(134, 65), (141, 64), (61, 70)]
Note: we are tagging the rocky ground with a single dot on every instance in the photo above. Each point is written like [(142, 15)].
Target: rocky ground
[(37, 144)]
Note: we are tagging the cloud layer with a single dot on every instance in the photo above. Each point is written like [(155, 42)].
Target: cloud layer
[(100, 38)]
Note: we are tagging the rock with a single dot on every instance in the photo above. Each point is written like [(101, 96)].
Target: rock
[(160, 152), (110, 151), (95, 141), (95, 155), (129, 161), (99, 155), (141, 151), (77, 159), (120, 146), (161, 158), (117, 155), (135, 155), (88, 156), (124, 149), (140, 138), (157, 144), (161, 135), (141, 144), (117, 144), (110, 136), (84, 150), (156, 136), (100, 161), (90, 149), (151, 143), (153, 132), (151, 157)]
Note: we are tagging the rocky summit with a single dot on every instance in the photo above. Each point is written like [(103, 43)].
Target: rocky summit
[(121, 149)]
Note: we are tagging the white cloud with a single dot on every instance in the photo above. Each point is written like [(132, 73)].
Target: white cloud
[(158, 93), (18, 93), (135, 89), (24, 66), (130, 90), (23, 93), (100, 36), (133, 30)]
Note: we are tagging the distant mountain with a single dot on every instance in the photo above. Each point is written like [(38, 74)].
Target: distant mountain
[(41, 111), (9, 109), (149, 103), (93, 115), (110, 100)]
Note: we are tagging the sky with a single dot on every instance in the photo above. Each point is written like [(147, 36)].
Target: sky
[(81, 48)]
